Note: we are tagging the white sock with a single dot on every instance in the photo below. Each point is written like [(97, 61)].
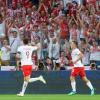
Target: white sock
[(34, 79), (89, 85), (73, 84), (24, 86)]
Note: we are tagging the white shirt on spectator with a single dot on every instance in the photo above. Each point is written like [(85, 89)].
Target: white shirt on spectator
[(86, 58), (5, 54), (34, 35), (14, 43), (95, 54), (54, 50), (74, 34), (2, 29)]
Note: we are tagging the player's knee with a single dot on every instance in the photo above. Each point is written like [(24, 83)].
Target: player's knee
[(72, 78), (26, 79), (85, 79)]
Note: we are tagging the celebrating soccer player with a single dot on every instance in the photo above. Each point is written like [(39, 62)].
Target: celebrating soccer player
[(24, 53), (78, 69)]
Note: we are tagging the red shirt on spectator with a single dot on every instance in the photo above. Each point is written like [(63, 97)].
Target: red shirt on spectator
[(43, 17), (56, 11), (42, 8), (47, 3), (64, 30), (93, 2), (26, 3)]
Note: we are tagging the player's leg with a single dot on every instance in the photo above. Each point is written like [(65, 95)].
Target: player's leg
[(27, 70), (73, 82), (27, 79), (88, 83), (40, 78), (25, 83), (84, 78), (73, 85)]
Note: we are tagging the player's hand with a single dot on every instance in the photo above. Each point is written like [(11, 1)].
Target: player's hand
[(74, 62)]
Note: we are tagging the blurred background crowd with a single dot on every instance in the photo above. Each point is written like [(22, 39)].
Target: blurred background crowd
[(52, 24)]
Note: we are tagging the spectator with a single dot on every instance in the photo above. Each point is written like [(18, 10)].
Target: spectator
[(39, 45), (85, 48), (95, 53), (93, 65), (49, 64), (2, 28), (35, 60), (5, 53), (35, 32), (55, 49), (41, 65), (64, 28), (0, 57), (52, 25), (44, 42), (54, 52), (63, 61), (14, 44), (74, 32)]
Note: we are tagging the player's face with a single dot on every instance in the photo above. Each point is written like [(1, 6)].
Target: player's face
[(72, 45)]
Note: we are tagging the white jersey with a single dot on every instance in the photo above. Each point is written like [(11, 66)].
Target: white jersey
[(26, 54), (75, 55)]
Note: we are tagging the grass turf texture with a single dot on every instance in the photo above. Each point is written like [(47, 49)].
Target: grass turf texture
[(50, 97)]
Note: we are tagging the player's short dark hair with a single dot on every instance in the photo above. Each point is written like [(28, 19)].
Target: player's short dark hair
[(75, 42), (25, 41)]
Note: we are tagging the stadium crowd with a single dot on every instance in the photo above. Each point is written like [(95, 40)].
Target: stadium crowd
[(52, 24)]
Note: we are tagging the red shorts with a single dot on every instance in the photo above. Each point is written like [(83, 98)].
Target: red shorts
[(27, 70), (78, 71)]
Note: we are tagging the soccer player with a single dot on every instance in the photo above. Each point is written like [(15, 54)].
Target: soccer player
[(24, 53), (78, 69)]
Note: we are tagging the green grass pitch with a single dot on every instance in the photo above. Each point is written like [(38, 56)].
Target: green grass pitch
[(50, 97)]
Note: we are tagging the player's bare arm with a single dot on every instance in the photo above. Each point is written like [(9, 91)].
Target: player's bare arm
[(18, 55), (17, 60)]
